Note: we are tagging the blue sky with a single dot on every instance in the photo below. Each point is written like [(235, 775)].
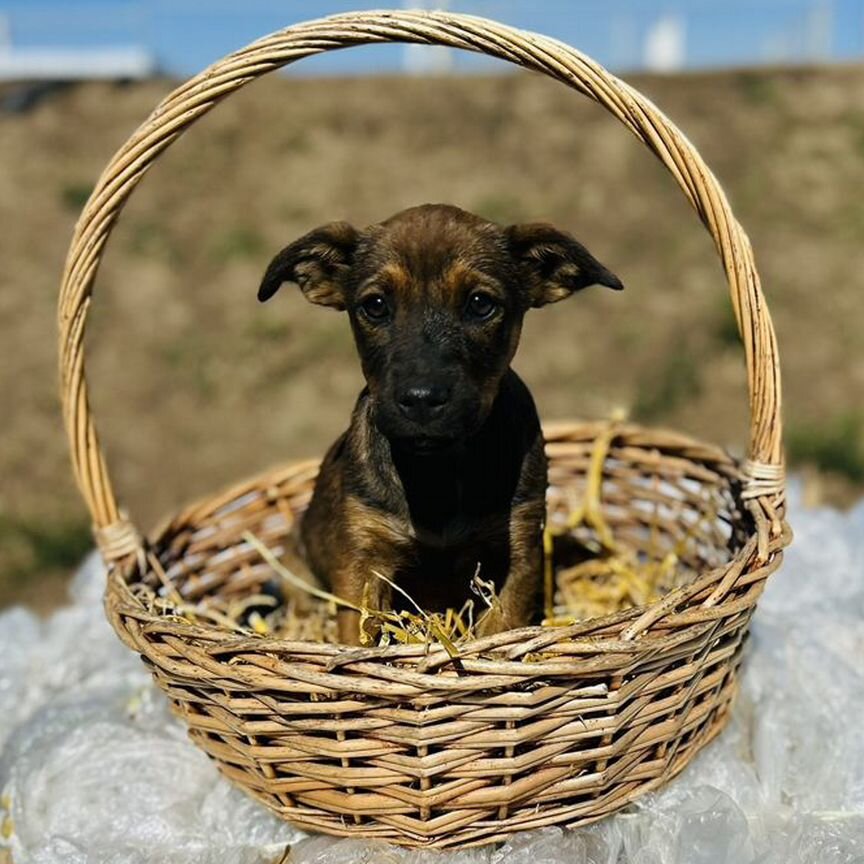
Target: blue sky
[(186, 35)]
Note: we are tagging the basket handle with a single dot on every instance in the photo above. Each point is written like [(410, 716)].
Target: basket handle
[(115, 534)]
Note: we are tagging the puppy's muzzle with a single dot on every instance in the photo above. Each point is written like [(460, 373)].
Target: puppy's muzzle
[(423, 404)]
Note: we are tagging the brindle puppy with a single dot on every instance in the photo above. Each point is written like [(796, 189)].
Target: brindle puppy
[(442, 469)]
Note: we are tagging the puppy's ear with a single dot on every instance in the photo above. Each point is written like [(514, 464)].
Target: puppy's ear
[(552, 264), (318, 262)]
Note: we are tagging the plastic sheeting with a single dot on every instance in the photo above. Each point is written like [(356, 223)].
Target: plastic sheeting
[(94, 768)]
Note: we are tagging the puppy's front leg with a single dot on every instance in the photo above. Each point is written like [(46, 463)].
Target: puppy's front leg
[(518, 599), (374, 544), (520, 595), (357, 583)]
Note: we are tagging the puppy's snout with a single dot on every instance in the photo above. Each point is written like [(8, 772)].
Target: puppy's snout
[(422, 404)]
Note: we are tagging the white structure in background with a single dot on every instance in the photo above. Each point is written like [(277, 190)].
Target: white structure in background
[(666, 44), (819, 28), (70, 64), (806, 38), (426, 59)]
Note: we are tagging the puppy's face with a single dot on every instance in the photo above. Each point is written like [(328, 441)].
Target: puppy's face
[(436, 298)]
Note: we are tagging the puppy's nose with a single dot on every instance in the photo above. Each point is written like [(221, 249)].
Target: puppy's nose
[(421, 404)]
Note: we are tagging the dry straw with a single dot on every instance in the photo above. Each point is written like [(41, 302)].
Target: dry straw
[(536, 727)]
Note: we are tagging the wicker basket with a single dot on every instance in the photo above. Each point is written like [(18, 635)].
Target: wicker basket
[(535, 727)]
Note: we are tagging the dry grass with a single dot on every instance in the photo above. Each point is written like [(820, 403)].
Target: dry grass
[(196, 385)]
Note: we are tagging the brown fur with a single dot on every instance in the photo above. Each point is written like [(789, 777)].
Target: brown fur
[(442, 469)]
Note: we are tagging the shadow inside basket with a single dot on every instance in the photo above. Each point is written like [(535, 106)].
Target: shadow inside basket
[(630, 518)]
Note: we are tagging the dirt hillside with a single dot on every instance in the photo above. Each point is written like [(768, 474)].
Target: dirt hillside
[(195, 384)]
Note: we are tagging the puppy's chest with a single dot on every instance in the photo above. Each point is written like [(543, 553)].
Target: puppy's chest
[(453, 512), (448, 543), (459, 531)]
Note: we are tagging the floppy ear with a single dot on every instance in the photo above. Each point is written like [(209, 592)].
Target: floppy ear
[(552, 264), (318, 262)]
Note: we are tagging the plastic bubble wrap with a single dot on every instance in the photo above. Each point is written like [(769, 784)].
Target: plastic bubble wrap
[(94, 769)]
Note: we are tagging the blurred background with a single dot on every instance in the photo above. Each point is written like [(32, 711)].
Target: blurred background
[(195, 385)]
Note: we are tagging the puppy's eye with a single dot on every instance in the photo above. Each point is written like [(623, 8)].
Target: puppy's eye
[(481, 306), (375, 307)]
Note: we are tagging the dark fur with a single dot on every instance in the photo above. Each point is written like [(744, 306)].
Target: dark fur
[(442, 468)]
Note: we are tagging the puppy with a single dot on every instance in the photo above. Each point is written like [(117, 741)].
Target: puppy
[(442, 472)]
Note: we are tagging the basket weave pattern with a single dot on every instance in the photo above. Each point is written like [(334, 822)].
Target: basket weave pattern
[(528, 728)]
